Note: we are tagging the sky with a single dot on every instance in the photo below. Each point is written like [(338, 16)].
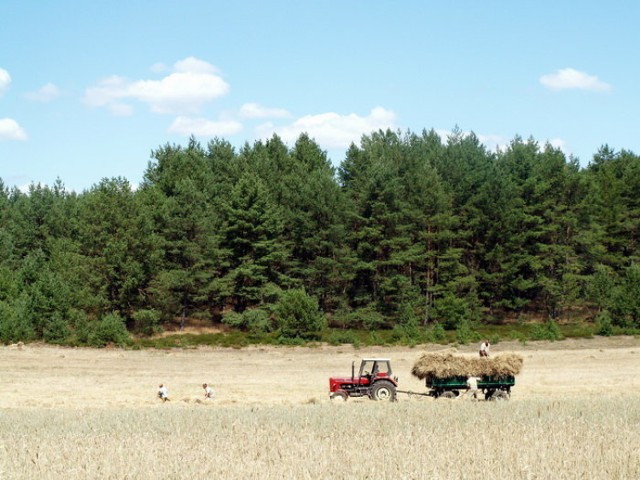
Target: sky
[(89, 89)]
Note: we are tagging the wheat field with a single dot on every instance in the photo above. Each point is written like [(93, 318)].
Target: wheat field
[(80, 413)]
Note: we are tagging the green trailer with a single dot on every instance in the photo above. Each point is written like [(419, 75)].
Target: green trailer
[(493, 387)]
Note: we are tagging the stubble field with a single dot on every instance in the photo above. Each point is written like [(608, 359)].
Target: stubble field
[(80, 413)]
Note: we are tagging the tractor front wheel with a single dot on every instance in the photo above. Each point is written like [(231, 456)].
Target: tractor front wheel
[(383, 390), (339, 396)]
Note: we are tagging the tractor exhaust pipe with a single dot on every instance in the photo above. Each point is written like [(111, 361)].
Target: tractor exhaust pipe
[(353, 370)]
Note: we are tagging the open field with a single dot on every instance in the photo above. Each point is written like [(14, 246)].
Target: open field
[(79, 413)]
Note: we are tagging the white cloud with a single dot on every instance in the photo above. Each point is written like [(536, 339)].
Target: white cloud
[(194, 65), (203, 127), (193, 83), (5, 80), (24, 188), (500, 143), (560, 144), (11, 130), (503, 145), (120, 109), (332, 130), (570, 79), (159, 67), (491, 141), (254, 110), (46, 93), (107, 92)]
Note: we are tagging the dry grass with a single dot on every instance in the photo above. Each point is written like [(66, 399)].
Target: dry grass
[(76, 413)]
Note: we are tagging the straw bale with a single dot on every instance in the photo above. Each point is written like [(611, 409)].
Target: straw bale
[(447, 364)]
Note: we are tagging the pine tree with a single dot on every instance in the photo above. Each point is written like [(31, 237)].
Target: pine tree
[(179, 194), (252, 234)]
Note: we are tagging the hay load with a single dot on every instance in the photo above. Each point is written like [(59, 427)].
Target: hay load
[(446, 364)]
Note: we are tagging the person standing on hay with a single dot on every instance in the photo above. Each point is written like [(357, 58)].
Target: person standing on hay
[(484, 348), (163, 393), (472, 388), (208, 392)]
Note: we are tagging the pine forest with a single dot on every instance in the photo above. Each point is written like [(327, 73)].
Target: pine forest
[(410, 232)]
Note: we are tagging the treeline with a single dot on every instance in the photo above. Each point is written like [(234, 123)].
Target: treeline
[(410, 230)]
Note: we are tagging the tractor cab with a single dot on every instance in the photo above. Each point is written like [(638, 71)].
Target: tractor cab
[(372, 369)]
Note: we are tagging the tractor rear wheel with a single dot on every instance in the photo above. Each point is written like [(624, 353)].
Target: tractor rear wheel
[(383, 390)]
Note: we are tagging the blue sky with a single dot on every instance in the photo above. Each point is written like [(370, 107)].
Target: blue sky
[(89, 89)]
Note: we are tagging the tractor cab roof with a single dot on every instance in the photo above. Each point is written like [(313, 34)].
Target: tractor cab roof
[(376, 360)]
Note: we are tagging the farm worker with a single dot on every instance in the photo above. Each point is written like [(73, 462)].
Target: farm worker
[(472, 388), (484, 348), (208, 391), (163, 393)]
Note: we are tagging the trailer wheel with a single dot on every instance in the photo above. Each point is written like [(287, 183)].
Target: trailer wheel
[(448, 394), (383, 390), (338, 397), (499, 395)]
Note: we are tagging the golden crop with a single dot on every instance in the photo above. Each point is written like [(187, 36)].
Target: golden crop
[(595, 438)]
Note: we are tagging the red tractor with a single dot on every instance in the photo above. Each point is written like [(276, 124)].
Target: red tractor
[(374, 380)]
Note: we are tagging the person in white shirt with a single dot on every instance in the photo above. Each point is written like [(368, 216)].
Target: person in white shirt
[(208, 392), (472, 388), (163, 393), (484, 348)]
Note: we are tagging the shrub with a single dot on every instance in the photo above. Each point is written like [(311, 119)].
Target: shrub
[(437, 333), (298, 315), (82, 328), (254, 321), (452, 311), (55, 329), (339, 337), (519, 336), (291, 342), (368, 318), (270, 293), (234, 319), (625, 303), (15, 321), (110, 329), (408, 334), (601, 285), (409, 322), (374, 338), (257, 320), (146, 322), (398, 334), (464, 333), (547, 331), (341, 318), (604, 324)]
